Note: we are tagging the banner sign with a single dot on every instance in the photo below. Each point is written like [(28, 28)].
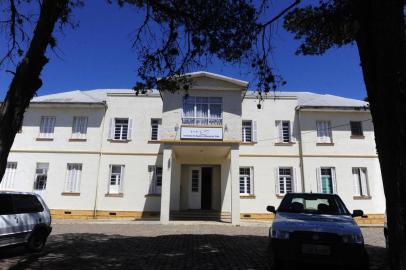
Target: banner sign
[(202, 133)]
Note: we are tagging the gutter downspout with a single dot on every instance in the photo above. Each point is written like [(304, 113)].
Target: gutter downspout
[(98, 164), (301, 163)]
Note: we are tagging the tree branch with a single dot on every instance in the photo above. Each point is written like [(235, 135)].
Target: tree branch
[(280, 14)]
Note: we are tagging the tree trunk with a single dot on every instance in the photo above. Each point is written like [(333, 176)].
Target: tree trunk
[(26, 80), (381, 44)]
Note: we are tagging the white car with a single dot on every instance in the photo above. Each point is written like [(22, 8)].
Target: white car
[(24, 219), (316, 228)]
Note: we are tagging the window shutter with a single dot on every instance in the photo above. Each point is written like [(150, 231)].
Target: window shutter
[(52, 126), (84, 128), (150, 179), (330, 132), (294, 180), (159, 128), (109, 179), (278, 125), (254, 131), (69, 180), (120, 188), (277, 190), (292, 135), (356, 181), (364, 182), (334, 179), (111, 131), (252, 180), (318, 177), (130, 129)]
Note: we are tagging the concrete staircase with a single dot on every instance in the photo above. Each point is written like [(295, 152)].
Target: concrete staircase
[(204, 215)]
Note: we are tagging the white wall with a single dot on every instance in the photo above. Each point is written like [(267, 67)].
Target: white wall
[(173, 106), (24, 178), (27, 140), (136, 154), (271, 111)]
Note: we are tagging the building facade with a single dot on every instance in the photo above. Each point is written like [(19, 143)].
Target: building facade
[(112, 153)]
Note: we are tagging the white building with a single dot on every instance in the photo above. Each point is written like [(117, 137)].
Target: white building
[(110, 153)]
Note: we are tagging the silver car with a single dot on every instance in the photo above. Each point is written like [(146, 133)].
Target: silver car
[(316, 228), (24, 219)]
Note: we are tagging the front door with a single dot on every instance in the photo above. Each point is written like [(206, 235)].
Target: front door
[(206, 187), (195, 191)]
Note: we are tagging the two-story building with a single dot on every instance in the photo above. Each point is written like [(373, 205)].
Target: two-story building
[(211, 151)]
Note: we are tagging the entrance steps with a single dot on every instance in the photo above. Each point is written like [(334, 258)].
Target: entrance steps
[(209, 215)]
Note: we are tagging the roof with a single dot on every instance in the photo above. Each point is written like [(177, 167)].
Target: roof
[(199, 74), (314, 100), (90, 96), (305, 99)]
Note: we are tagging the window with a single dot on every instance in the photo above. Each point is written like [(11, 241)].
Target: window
[(27, 204), (79, 127), (327, 180), (284, 131), (195, 180), (356, 128), (120, 129), (155, 179), (246, 181), (46, 129), (247, 131), (202, 111), (9, 174), (324, 132), (116, 178), (6, 204), (313, 204), (360, 182), (41, 175), (155, 123), (73, 177), (285, 180)]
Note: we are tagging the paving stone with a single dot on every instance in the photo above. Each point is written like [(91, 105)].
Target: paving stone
[(154, 246)]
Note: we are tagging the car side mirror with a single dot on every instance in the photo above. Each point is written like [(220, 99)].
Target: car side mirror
[(271, 209), (357, 213)]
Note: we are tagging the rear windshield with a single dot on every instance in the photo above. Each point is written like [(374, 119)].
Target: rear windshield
[(27, 204), (313, 204)]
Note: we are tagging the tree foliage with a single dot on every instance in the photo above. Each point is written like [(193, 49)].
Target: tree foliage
[(378, 29), (330, 24), (18, 17), (181, 35)]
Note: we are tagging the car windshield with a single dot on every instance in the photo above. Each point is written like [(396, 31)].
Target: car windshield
[(322, 204)]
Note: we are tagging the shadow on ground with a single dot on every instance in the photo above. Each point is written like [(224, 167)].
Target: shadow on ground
[(99, 251)]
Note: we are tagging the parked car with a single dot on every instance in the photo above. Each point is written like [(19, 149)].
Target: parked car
[(24, 219), (316, 228)]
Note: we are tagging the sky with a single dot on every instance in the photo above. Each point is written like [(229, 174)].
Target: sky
[(99, 54)]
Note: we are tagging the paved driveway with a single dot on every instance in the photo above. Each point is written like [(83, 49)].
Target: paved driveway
[(154, 246)]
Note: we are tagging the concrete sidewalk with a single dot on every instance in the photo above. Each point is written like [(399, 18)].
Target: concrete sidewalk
[(244, 223)]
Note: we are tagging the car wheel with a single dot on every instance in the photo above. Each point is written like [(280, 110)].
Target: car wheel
[(36, 242)]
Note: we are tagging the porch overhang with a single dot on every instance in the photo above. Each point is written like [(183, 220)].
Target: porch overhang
[(201, 153)]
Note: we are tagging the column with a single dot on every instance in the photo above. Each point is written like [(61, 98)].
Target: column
[(235, 185), (166, 184)]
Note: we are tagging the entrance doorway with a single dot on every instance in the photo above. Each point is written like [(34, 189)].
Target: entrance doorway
[(207, 178), (201, 185)]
